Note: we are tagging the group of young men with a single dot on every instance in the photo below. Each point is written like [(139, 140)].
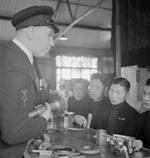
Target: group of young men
[(110, 110)]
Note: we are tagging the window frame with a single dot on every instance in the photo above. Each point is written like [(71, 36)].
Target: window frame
[(75, 68)]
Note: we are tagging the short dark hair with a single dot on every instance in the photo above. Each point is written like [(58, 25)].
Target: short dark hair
[(123, 82), (98, 76), (84, 82), (147, 82)]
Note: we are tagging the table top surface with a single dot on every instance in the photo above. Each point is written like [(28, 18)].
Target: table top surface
[(79, 138)]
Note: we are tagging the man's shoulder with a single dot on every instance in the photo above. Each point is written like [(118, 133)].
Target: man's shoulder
[(88, 98), (129, 109), (5, 56), (104, 104), (4, 48), (145, 114), (71, 99), (8, 50), (106, 100)]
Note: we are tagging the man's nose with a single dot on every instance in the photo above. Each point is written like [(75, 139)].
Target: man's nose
[(114, 95), (146, 97)]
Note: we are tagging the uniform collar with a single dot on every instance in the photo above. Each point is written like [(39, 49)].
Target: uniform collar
[(119, 105), (24, 49), (98, 99)]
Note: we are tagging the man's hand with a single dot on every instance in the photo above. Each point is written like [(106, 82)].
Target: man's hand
[(57, 101), (80, 120), (47, 113)]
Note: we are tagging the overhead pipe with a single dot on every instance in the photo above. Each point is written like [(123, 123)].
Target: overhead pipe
[(79, 19)]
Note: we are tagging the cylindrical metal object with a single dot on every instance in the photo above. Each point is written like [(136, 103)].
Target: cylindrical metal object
[(101, 137), (130, 144), (66, 122), (37, 111)]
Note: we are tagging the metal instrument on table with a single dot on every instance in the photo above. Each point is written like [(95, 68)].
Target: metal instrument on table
[(121, 144), (63, 121), (89, 120), (101, 137)]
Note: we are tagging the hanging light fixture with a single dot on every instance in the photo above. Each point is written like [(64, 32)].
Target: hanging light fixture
[(63, 38)]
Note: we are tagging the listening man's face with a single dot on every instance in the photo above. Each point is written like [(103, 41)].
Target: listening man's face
[(79, 91), (146, 97), (96, 89), (117, 94)]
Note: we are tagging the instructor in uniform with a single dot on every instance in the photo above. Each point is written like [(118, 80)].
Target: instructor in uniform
[(19, 94)]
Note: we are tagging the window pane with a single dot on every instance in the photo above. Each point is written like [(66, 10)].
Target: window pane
[(76, 62), (76, 73), (66, 61), (58, 61), (94, 63), (66, 73), (58, 73), (93, 71), (76, 67), (58, 76), (86, 62), (86, 73)]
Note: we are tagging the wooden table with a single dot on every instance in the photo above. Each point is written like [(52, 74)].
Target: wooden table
[(80, 138)]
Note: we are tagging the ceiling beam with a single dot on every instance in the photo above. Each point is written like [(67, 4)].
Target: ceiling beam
[(66, 24), (85, 5), (70, 10), (89, 11)]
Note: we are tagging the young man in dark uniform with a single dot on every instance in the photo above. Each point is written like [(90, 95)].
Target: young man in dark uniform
[(79, 102), (122, 117), (19, 93), (97, 104), (99, 107), (143, 131)]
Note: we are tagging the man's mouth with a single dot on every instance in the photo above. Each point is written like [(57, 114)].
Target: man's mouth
[(146, 104)]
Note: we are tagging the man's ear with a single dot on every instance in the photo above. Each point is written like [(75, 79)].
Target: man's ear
[(128, 94), (30, 32)]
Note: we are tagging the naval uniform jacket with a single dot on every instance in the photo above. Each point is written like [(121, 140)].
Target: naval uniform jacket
[(124, 121), (100, 114), (79, 107), (18, 96), (143, 132)]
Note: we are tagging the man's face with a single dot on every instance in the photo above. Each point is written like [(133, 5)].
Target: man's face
[(96, 89), (117, 94), (43, 41), (79, 91), (146, 97)]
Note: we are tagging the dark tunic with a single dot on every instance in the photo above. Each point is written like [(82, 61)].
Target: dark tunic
[(18, 96), (79, 107), (143, 132), (100, 111), (122, 120)]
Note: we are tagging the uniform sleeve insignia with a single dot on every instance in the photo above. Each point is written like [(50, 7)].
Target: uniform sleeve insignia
[(24, 96), (121, 118)]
